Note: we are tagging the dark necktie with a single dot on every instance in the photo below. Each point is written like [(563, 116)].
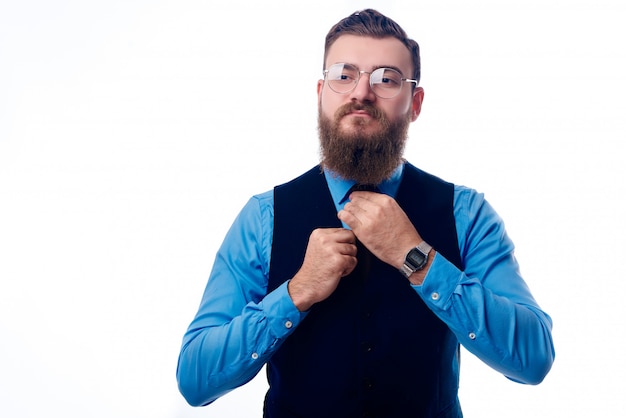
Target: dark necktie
[(364, 188), (364, 256)]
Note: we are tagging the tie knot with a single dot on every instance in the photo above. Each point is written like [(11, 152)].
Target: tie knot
[(364, 188), (360, 188)]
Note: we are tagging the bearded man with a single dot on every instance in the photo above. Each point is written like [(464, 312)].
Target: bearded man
[(357, 281)]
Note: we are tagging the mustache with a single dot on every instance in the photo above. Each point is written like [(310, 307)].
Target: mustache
[(348, 108)]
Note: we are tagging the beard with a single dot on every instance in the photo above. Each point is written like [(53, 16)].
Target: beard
[(367, 158)]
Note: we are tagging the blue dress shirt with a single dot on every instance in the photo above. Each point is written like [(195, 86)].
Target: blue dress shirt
[(487, 306)]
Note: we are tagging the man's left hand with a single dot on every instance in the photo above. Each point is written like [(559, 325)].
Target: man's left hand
[(381, 225)]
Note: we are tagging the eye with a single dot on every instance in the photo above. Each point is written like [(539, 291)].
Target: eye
[(342, 73), (386, 78)]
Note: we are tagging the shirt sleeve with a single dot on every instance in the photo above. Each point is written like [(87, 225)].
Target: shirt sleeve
[(488, 306), (237, 327)]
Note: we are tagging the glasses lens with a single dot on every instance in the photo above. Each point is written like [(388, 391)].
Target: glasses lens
[(342, 77), (386, 82)]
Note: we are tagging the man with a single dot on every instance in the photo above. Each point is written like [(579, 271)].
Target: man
[(357, 298)]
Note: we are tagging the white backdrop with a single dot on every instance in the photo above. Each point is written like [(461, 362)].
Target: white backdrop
[(133, 131)]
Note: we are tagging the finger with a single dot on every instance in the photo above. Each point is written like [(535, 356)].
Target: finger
[(359, 208), (331, 235), (349, 219), (345, 236), (354, 215), (362, 194), (348, 249), (351, 264)]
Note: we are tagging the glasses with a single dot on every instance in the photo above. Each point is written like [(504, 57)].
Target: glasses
[(386, 83)]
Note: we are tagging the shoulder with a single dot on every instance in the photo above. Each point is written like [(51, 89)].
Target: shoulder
[(263, 203), (412, 172), (314, 174), (467, 197)]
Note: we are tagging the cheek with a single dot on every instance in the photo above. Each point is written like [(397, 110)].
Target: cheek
[(398, 109), (328, 104)]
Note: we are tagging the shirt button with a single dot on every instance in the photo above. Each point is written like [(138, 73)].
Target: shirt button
[(435, 296), (288, 324), (255, 356), (472, 336)]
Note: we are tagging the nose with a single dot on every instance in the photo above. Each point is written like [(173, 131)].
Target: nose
[(363, 91)]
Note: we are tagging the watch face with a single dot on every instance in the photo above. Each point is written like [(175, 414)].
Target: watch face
[(416, 258)]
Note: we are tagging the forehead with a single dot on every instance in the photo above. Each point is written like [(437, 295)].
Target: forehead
[(367, 53)]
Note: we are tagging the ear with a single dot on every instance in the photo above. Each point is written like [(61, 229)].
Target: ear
[(320, 86), (418, 98)]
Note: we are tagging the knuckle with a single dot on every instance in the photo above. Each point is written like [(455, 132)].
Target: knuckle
[(316, 233)]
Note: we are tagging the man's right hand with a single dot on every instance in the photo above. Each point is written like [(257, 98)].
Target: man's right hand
[(330, 255)]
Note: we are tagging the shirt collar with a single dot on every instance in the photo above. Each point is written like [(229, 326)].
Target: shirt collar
[(339, 186)]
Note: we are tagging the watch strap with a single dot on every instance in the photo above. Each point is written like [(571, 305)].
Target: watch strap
[(424, 247), (406, 270)]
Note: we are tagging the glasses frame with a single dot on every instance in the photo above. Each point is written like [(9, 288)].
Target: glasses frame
[(361, 72)]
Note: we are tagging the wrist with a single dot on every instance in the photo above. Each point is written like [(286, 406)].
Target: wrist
[(299, 296), (417, 278)]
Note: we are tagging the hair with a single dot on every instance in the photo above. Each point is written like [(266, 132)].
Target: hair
[(372, 23)]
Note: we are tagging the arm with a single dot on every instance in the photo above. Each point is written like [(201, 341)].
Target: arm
[(238, 327), (488, 306)]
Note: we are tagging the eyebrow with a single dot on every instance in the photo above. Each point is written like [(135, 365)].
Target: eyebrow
[(376, 67), (393, 67)]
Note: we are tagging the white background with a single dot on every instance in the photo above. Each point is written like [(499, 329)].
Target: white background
[(132, 132)]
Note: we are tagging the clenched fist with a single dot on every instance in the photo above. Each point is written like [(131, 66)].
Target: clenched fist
[(330, 255)]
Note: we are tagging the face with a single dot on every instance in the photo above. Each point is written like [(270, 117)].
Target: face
[(362, 136)]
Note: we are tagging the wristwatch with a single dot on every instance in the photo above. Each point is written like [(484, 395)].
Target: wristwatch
[(415, 259)]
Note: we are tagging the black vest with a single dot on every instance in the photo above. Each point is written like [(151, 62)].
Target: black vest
[(373, 348)]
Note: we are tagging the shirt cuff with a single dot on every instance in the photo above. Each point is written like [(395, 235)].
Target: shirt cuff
[(440, 283), (281, 313)]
